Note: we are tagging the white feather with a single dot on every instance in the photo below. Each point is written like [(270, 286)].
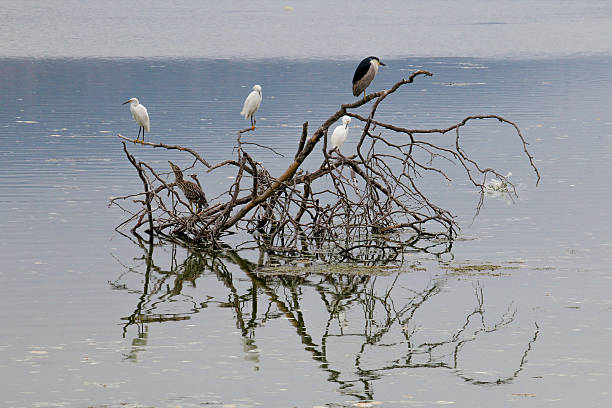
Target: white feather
[(497, 184)]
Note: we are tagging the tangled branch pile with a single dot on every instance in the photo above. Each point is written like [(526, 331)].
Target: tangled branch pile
[(347, 205)]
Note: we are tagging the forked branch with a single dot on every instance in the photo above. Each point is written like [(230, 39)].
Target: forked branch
[(344, 204)]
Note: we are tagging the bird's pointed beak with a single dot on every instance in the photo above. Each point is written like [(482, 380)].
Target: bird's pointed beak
[(380, 63), (126, 102)]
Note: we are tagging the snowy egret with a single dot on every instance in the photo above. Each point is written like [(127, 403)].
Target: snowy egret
[(340, 133), (191, 190), (140, 114), (251, 104), (364, 74)]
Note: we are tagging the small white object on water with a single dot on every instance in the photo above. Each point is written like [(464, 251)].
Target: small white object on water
[(340, 133), (497, 184), (251, 104)]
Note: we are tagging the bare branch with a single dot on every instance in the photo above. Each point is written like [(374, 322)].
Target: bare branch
[(359, 205)]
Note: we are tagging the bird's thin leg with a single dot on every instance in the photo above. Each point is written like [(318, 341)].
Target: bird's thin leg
[(364, 94)]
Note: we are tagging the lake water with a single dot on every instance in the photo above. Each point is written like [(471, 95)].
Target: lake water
[(518, 313)]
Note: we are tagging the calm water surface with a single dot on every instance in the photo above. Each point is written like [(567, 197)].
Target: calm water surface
[(87, 321), (315, 29), (90, 319)]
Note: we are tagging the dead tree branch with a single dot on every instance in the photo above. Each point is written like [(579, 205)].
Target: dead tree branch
[(347, 204)]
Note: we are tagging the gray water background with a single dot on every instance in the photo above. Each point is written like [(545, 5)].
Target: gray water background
[(64, 339), (312, 29)]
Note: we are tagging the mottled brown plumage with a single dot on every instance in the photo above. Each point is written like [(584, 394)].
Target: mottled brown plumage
[(192, 191)]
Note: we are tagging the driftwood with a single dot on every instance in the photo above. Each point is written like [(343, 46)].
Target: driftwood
[(368, 201)]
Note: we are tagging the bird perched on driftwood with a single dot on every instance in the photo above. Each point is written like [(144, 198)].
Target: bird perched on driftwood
[(364, 74), (340, 133), (251, 104), (140, 114), (192, 191)]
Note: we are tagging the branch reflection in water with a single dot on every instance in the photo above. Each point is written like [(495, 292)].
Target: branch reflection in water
[(385, 327)]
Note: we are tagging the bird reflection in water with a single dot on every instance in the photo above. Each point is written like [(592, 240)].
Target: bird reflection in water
[(370, 314)]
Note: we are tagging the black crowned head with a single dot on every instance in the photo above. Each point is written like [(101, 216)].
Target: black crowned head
[(377, 60), (364, 67)]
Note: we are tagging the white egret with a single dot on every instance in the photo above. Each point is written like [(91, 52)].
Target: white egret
[(340, 133), (140, 114), (251, 104), (364, 74)]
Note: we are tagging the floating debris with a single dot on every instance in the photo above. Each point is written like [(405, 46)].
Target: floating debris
[(498, 185), (342, 269)]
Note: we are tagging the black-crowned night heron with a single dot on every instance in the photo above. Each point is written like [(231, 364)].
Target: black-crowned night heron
[(364, 74), (251, 104), (140, 114), (340, 133), (191, 190)]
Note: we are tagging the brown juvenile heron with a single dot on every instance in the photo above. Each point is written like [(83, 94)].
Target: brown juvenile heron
[(191, 190), (364, 74)]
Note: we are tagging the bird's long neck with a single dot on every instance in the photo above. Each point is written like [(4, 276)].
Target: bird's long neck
[(178, 175)]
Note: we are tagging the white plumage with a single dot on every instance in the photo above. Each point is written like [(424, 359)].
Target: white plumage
[(141, 116), (340, 133), (251, 104), (498, 184)]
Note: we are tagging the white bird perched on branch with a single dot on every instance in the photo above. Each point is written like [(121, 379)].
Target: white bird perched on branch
[(340, 133), (140, 114), (251, 104)]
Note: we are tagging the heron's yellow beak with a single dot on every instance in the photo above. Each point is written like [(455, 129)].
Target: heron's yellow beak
[(380, 63)]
